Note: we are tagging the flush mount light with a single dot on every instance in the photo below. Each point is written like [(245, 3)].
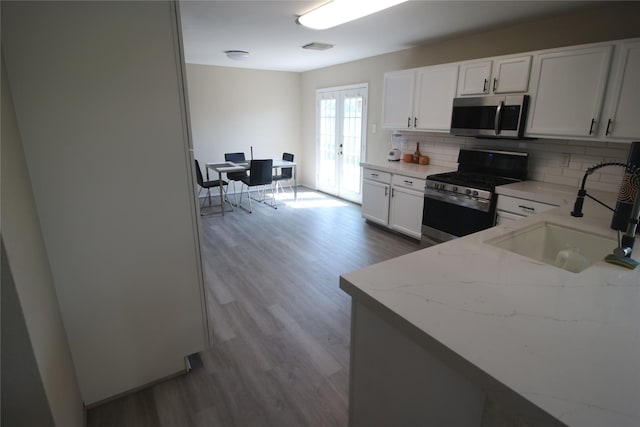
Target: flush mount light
[(237, 55), (338, 12)]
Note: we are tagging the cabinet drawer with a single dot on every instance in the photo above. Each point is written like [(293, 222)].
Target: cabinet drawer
[(522, 206), (376, 175), (408, 182)]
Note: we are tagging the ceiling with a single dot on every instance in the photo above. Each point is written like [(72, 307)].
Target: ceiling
[(267, 29)]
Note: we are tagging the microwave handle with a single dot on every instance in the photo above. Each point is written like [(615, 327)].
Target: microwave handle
[(496, 126)]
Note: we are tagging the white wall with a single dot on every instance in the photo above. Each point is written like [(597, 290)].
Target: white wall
[(233, 109), (97, 94), (594, 24), (39, 385)]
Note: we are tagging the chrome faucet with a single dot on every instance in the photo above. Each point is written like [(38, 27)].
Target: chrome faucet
[(625, 244)]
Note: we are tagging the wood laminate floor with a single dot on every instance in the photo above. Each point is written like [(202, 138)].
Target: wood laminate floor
[(279, 323)]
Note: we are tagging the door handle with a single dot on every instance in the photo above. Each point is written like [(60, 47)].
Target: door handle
[(496, 125)]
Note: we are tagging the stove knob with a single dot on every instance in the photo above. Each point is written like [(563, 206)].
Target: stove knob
[(467, 192), (475, 194), (454, 189)]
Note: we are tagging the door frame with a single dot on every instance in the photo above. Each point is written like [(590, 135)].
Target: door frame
[(363, 142)]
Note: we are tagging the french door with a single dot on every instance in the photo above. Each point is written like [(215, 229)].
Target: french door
[(341, 120)]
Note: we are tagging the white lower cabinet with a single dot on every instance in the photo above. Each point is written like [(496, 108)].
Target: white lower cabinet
[(394, 201), (513, 208), (375, 201)]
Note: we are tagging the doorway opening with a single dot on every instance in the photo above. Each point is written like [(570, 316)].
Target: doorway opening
[(341, 119)]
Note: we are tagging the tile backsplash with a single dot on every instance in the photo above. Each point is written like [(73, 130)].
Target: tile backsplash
[(550, 160)]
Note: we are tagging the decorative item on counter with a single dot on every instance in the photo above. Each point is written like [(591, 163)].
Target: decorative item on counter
[(423, 160), (416, 155), (628, 190), (408, 157)]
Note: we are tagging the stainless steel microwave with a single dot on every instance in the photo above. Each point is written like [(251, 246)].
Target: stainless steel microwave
[(490, 116)]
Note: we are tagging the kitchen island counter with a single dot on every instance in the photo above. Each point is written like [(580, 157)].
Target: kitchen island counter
[(521, 341)]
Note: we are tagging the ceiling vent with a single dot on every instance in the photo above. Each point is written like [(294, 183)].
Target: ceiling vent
[(317, 46)]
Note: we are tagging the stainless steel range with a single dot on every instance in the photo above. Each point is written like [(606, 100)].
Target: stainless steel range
[(463, 202)]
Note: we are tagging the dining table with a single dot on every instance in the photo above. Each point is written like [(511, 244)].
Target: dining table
[(226, 167)]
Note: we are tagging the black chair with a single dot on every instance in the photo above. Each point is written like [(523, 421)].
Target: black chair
[(286, 174), (208, 185), (235, 176), (260, 174)]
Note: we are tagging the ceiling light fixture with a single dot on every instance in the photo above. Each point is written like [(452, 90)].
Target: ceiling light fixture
[(338, 12), (237, 55)]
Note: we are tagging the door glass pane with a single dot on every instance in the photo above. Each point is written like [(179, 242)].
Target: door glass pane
[(351, 143), (327, 139)]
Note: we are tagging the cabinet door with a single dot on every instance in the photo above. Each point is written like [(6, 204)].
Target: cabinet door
[(474, 78), (503, 217), (568, 93), (624, 111), (397, 100), (406, 211), (375, 201), (436, 88), (511, 75)]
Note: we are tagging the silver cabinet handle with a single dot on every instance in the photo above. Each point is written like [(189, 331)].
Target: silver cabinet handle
[(408, 122), (393, 192), (386, 191), (495, 83), (415, 122), (593, 122), (374, 174), (608, 126), (406, 181), (484, 86)]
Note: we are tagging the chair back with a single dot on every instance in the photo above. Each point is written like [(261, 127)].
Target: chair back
[(199, 174), (260, 172), (287, 173), (234, 157)]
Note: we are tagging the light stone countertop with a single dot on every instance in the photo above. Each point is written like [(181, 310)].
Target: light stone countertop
[(545, 192), (409, 169), (567, 342)]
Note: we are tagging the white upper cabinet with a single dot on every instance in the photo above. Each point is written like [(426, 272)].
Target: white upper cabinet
[(511, 75), (501, 75), (397, 100), (622, 119), (435, 90), (474, 78), (568, 87)]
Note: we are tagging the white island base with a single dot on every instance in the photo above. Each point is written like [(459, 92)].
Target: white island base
[(401, 378)]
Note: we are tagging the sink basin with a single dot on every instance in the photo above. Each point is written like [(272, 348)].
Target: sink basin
[(557, 245)]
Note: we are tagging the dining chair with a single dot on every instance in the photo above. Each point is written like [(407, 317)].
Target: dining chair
[(208, 185), (286, 174), (260, 174), (235, 176)]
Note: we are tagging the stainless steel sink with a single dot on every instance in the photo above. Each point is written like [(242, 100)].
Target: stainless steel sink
[(557, 245)]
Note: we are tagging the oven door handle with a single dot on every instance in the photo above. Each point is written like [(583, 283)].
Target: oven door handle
[(463, 201), (496, 125)]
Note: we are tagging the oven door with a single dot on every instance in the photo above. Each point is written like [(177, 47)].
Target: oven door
[(443, 220)]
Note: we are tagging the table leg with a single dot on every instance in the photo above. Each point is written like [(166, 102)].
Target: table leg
[(221, 193)]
